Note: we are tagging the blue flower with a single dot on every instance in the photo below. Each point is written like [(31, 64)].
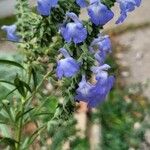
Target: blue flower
[(74, 31), (93, 95), (11, 33), (125, 7), (101, 43), (68, 66), (100, 56), (100, 91), (83, 91), (44, 6), (102, 46), (101, 71), (99, 13)]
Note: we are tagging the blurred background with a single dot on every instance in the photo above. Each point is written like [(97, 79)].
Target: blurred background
[(123, 121)]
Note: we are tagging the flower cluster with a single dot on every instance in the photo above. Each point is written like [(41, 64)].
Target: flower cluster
[(74, 32)]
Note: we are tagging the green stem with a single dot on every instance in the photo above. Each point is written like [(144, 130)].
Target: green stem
[(20, 122), (19, 127), (23, 103)]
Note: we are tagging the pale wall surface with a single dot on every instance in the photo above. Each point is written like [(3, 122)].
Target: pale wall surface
[(7, 7)]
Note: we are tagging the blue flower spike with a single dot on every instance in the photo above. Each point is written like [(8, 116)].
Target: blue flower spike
[(68, 66)]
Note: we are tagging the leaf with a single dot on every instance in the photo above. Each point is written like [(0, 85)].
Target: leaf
[(26, 86), (35, 134), (8, 110), (21, 85), (10, 93), (34, 78), (4, 81), (51, 104), (8, 141), (5, 131), (19, 115), (4, 120), (9, 62), (5, 88), (8, 72)]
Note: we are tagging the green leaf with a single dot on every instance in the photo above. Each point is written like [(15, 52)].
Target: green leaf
[(5, 131), (4, 119), (21, 85), (51, 104), (9, 93), (26, 86), (8, 141), (8, 110), (35, 135), (19, 115), (4, 81), (34, 77), (9, 62)]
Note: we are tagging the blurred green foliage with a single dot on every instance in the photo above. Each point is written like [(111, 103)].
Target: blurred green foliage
[(119, 113), (118, 116)]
